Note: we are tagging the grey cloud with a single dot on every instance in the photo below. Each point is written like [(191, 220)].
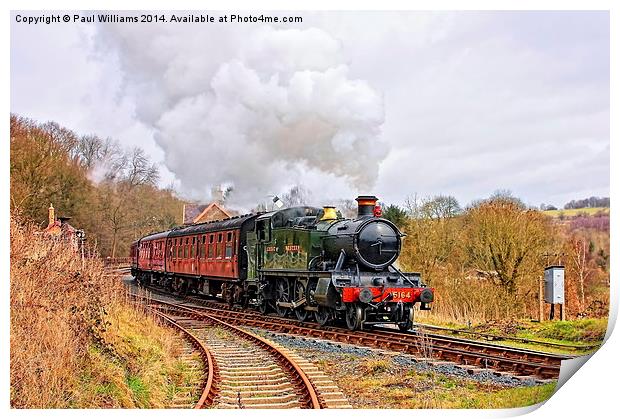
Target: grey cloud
[(429, 102)]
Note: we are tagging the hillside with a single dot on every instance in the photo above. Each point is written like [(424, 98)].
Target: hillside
[(576, 212)]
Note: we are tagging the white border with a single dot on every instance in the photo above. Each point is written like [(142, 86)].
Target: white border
[(590, 393)]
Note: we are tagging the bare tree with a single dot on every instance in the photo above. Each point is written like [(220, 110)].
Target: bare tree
[(433, 233), (502, 237), (296, 196), (348, 207), (92, 151), (129, 172), (579, 256), (441, 206)]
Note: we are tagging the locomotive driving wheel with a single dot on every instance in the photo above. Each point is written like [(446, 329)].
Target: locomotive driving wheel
[(407, 321), (300, 292), (263, 305), (354, 316), (283, 296), (322, 316)]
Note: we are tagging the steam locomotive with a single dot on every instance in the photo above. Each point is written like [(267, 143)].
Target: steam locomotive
[(302, 261)]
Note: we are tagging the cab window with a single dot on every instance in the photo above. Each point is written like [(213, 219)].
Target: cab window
[(263, 231)]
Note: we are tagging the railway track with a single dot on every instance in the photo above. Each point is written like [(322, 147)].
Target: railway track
[(471, 354), (197, 356), (249, 371), (494, 337)]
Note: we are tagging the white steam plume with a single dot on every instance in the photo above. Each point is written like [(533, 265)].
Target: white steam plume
[(251, 106)]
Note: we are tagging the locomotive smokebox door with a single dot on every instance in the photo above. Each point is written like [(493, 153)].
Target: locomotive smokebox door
[(554, 284)]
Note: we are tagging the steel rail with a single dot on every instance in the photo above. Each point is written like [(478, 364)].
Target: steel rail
[(472, 353), (209, 392), (302, 382), (479, 356), (469, 352), (489, 336), (406, 335)]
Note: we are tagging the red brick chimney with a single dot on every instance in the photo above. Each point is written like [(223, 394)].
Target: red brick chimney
[(51, 215)]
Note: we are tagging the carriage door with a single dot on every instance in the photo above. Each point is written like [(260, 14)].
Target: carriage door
[(168, 255)]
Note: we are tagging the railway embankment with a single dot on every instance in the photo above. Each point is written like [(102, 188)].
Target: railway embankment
[(76, 341)]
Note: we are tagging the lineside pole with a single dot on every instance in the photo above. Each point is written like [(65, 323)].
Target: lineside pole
[(541, 302)]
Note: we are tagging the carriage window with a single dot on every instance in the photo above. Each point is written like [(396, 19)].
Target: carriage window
[(219, 238), (210, 251), (211, 238), (229, 237), (228, 250)]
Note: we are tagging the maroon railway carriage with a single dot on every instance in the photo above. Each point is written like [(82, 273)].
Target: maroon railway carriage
[(200, 257)]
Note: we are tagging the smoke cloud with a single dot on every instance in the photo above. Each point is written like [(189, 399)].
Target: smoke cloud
[(254, 107)]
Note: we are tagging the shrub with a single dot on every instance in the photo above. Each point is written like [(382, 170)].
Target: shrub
[(75, 340)]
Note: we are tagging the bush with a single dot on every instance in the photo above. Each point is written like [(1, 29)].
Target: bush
[(75, 341)]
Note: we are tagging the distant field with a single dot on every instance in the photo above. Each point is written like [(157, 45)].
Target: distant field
[(577, 211)]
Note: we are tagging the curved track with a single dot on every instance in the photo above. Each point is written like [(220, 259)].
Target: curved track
[(469, 353), (246, 371), (474, 354), (208, 392)]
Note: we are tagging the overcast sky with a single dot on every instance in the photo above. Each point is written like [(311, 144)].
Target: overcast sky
[(392, 103)]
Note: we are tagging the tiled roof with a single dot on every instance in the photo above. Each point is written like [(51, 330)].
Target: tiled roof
[(191, 211)]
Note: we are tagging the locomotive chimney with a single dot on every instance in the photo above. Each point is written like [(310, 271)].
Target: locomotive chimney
[(366, 205)]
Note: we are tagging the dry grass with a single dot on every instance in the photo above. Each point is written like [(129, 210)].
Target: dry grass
[(379, 383), (75, 340), (462, 300)]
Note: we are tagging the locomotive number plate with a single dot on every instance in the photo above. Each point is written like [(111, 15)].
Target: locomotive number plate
[(402, 294)]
